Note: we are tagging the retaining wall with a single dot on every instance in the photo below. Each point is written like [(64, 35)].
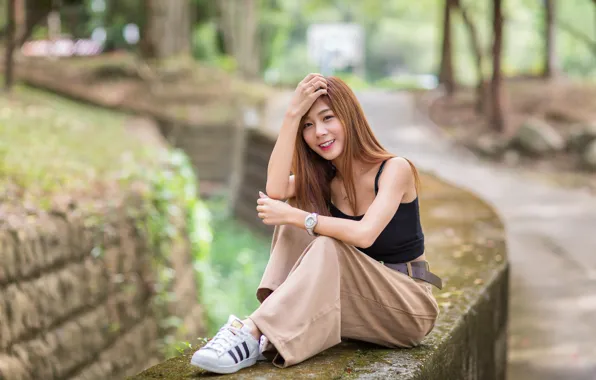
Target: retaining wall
[(77, 291)]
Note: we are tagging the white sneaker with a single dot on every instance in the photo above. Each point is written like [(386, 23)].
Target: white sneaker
[(230, 350)]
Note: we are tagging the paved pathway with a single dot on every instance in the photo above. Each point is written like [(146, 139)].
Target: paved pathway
[(551, 236)]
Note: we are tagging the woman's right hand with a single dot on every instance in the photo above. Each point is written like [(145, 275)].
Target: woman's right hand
[(307, 92)]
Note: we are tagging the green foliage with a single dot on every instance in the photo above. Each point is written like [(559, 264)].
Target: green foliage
[(204, 42), (355, 82), (172, 211), (227, 257), (238, 258), (405, 83)]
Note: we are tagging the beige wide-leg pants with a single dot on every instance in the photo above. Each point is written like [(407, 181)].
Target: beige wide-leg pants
[(317, 290)]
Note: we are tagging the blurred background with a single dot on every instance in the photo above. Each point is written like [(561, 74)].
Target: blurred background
[(135, 134)]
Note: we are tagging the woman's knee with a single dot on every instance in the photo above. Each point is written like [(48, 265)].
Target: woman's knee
[(325, 243), (322, 246)]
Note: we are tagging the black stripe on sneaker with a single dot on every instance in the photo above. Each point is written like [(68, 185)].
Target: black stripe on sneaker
[(233, 356), (239, 352), (245, 349)]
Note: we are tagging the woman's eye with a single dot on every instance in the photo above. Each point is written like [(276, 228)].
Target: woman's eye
[(328, 116), (307, 125)]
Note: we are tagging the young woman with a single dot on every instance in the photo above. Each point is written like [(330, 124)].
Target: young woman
[(347, 256)]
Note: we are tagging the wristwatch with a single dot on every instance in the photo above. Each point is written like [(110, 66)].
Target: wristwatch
[(310, 222)]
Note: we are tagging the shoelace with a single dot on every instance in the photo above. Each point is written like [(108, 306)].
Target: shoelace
[(228, 338)]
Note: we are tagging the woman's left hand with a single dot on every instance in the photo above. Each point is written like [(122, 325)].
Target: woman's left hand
[(272, 211)]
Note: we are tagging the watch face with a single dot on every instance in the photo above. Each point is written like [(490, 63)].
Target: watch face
[(310, 222)]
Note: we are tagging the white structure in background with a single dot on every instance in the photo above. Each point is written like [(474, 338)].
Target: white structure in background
[(131, 34), (99, 35), (59, 45), (336, 47), (98, 6), (63, 47)]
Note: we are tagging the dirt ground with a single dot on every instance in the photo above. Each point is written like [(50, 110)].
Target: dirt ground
[(564, 104)]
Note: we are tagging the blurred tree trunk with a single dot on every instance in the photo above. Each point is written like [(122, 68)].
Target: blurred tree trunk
[(239, 24), (29, 14), (497, 114), (477, 50), (36, 11), (167, 28), (550, 55), (11, 15), (446, 76), (146, 45), (20, 19)]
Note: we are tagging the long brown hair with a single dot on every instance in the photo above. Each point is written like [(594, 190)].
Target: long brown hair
[(313, 173)]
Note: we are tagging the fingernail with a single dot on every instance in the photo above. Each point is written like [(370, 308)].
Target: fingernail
[(261, 193)]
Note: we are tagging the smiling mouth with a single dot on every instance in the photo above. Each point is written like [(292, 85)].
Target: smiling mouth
[(326, 144)]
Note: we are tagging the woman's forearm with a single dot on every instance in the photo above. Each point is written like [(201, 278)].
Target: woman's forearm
[(280, 162), (349, 231)]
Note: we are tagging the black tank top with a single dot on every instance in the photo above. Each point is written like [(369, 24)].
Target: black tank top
[(402, 239)]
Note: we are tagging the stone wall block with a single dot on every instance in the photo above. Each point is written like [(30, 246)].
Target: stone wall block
[(82, 237), (21, 309), (134, 349), (11, 368), (93, 326), (112, 259), (29, 260), (128, 249), (67, 346), (97, 280), (47, 294), (5, 328), (132, 302), (73, 295), (54, 233), (69, 350), (41, 353), (97, 370), (8, 257)]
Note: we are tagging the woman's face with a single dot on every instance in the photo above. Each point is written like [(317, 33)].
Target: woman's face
[(322, 131)]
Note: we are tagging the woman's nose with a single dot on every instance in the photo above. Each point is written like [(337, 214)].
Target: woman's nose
[(321, 130)]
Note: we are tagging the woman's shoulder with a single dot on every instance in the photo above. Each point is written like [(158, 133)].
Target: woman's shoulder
[(399, 164), (397, 172)]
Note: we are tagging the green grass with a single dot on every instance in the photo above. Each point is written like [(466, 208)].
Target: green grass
[(50, 144), (238, 258)]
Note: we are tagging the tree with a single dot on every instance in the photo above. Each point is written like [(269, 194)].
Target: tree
[(238, 22), (497, 114), (166, 29), (550, 55), (477, 51), (11, 36), (446, 75), (36, 11)]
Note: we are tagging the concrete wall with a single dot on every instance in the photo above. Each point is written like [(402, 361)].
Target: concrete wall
[(253, 178), (210, 148), (77, 298)]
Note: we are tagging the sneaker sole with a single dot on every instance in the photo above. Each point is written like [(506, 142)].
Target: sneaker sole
[(224, 370)]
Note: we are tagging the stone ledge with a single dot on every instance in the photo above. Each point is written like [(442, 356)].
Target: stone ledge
[(466, 246)]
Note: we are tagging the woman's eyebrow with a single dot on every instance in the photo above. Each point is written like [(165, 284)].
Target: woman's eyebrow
[(318, 113)]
